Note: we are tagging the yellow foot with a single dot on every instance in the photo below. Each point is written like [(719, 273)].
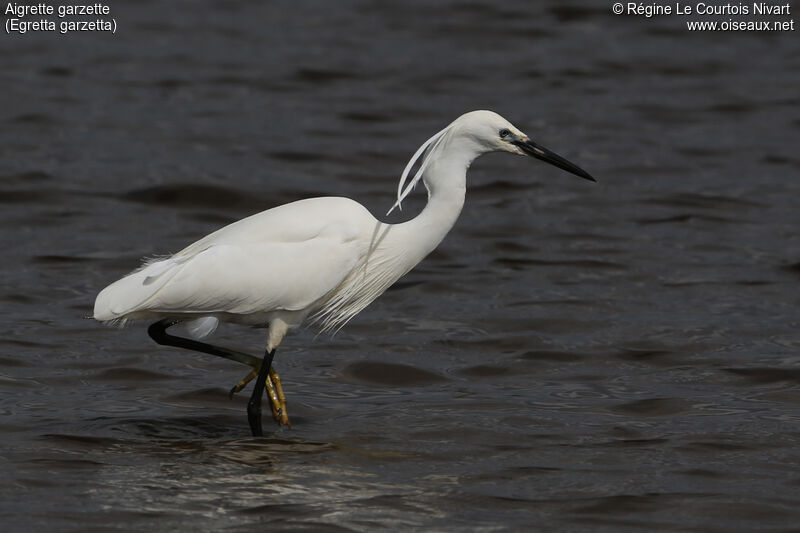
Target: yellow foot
[(277, 400), (280, 414), (243, 383)]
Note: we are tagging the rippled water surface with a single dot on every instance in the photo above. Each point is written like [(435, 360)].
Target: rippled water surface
[(574, 357)]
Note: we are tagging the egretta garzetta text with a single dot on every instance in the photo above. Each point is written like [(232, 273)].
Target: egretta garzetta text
[(321, 260)]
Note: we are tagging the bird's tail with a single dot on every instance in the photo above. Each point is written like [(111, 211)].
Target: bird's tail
[(130, 294)]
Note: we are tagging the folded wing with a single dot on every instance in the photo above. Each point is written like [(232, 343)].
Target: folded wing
[(286, 258)]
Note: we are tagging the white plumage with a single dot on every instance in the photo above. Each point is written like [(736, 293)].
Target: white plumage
[(323, 258)]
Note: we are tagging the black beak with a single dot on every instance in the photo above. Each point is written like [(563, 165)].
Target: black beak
[(540, 152)]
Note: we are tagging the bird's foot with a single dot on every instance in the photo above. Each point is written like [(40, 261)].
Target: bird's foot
[(243, 382), (278, 401), (275, 395)]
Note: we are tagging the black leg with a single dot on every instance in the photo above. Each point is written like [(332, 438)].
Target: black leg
[(158, 332), (254, 405)]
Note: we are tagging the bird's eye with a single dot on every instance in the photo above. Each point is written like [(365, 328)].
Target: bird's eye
[(505, 132)]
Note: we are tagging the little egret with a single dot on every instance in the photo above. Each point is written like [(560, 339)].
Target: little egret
[(321, 259)]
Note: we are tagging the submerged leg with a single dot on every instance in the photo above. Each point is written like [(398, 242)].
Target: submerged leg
[(267, 377), (274, 393), (254, 405)]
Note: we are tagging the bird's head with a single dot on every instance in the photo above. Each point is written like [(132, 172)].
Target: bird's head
[(473, 134), (489, 132)]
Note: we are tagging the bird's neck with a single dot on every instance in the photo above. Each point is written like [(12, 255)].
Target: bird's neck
[(446, 181)]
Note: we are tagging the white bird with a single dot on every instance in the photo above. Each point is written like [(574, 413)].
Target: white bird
[(320, 259)]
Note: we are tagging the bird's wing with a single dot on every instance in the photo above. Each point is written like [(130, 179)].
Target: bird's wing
[(258, 278), (285, 258), (295, 222)]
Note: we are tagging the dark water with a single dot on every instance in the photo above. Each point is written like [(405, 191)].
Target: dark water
[(574, 357)]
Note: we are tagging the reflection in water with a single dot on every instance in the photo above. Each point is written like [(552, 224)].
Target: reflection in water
[(278, 481)]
